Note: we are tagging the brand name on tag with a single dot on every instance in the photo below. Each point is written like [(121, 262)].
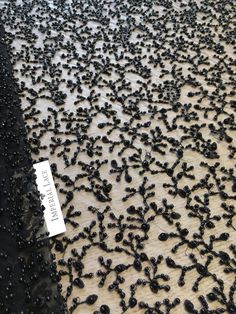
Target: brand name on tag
[(49, 195), (52, 213)]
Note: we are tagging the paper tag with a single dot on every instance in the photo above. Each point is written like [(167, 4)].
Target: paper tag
[(52, 214)]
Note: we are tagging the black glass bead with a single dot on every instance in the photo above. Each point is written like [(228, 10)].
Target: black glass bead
[(119, 237), (145, 227), (201, 269), (211, 296), (231, 308), (163, 236), (137, 265), (132, 302), (91, 299), (189, 307), (79, 283), (154, 286), (104, 309)]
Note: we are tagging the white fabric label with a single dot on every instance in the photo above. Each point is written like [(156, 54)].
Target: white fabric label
[(52, 214)]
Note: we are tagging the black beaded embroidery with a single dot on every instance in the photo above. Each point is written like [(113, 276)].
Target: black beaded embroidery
[(28, 276), (133, 102)]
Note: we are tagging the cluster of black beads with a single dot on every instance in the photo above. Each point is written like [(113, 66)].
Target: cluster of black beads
[(133, 102), (28, 275)]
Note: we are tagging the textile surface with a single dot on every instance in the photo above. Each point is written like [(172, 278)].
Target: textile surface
[(28, 276), (133, 103)]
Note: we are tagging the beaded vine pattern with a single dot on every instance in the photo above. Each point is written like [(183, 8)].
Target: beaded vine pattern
[(133, 102)]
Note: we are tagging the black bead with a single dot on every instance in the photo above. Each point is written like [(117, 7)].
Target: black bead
[(163, 236), (104, 309), (189, 307), (91, 299)]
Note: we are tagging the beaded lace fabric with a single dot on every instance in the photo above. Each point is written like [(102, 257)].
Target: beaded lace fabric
[(133, 102), (28, 277)]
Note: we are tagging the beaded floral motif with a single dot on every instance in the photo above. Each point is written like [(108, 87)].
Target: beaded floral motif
[(134, 102)]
